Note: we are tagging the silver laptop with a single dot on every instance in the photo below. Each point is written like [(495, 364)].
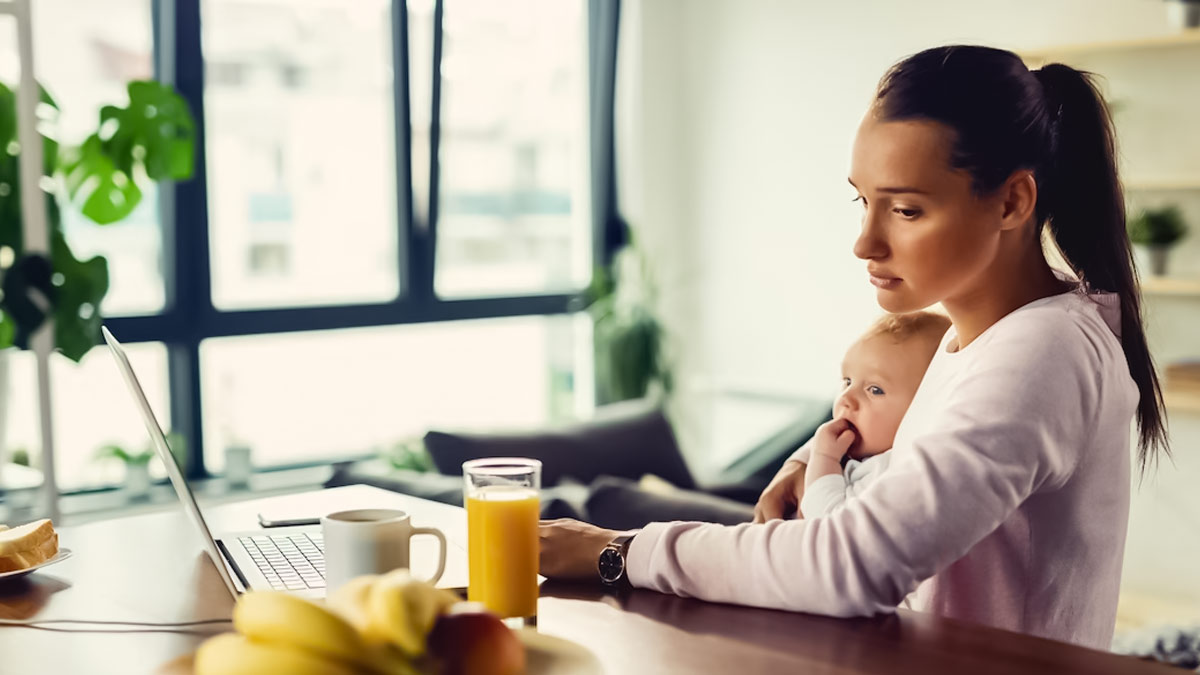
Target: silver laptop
[(291, 559)]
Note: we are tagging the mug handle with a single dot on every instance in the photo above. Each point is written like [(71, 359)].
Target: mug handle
[(441, 555)]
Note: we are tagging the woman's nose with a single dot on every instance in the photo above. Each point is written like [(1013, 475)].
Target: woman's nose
[(870, 245)]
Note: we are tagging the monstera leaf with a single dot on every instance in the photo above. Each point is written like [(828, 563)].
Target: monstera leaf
[(10, 169), (152, 138)]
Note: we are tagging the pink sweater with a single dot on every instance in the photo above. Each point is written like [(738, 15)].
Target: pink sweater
[(1006, 502)]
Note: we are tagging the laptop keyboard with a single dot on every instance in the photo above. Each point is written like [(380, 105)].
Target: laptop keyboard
[(290, 562)]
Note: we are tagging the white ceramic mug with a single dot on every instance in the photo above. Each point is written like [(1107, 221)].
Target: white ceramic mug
[(371, 541)]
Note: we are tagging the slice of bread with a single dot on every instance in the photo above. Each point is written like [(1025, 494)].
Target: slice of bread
[(28, 545)]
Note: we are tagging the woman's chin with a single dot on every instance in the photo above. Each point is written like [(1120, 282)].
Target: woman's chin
[(898, 301)]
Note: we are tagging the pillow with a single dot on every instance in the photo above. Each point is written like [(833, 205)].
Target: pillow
[(564, 501), (619, 504), (627, 440)]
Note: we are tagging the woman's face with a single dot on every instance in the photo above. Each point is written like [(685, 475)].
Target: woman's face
[(925, 236)]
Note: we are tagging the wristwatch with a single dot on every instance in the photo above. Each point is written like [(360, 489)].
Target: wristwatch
[(611, 564)]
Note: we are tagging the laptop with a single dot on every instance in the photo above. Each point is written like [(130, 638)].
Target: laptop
[(290, 559)]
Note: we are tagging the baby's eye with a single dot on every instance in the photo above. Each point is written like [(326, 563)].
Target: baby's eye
[(845, 382), (874, 391)]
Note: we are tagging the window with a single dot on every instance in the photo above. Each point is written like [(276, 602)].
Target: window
[(389, 224), (301, 152), (311, 396), (513, 212)]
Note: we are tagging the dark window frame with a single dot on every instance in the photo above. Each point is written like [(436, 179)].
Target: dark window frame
[(189, 316)]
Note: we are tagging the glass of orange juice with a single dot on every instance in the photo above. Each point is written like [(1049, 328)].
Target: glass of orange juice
[(502, 534)]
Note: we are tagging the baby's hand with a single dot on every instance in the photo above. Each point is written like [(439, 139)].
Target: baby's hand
[(834, 439)]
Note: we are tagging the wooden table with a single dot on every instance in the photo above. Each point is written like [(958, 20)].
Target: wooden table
[(150, 568)]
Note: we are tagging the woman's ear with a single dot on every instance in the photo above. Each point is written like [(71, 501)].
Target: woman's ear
[(1020, 199)]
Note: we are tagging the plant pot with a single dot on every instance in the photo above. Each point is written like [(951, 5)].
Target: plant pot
[(137, 481), (238, 467), (1183, 14), (1150, 260)]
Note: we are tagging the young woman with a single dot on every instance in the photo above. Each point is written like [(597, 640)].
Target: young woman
[(1007, 498)]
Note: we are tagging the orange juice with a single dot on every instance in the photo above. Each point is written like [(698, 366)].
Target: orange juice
[(502, 544)]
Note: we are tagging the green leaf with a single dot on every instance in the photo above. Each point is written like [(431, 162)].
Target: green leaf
[(112, 451), (108, 193), (152, 138), (77, 306), (8, 117), (8, 330), (27, 287)]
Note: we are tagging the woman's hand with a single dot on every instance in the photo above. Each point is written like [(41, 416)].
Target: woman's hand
[(782, 496), (571, 549)]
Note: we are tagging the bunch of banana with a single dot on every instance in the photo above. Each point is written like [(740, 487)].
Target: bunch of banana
[(392, 609), (374, 625)]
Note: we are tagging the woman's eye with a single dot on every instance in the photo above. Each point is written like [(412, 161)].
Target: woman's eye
[(874, 391), (907, 214), (860, 198)]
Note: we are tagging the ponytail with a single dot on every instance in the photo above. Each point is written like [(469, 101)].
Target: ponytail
[(1081, 200), (1054, 122)]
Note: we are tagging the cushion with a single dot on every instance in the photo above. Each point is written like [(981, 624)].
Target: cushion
[(619, 504), (627, 440), (564, 501)]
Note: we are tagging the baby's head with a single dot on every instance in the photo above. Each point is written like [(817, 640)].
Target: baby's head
[(880, 375)]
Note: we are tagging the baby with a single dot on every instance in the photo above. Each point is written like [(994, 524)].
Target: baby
[(880, 375)]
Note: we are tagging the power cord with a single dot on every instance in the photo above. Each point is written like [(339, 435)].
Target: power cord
[(184, 627)]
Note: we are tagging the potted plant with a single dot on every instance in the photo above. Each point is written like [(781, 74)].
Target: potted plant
[(151, 139), (137, 464), (1153, 232), (628, 339), (137, 468)]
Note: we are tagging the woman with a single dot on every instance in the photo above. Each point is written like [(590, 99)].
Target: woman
[(1007, 498)]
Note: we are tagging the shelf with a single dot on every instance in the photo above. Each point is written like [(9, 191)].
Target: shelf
[(1187, 401), (1163, 184), (1184, 38), (1171, 286)]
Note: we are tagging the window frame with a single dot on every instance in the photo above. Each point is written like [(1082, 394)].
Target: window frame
[(189, 316)]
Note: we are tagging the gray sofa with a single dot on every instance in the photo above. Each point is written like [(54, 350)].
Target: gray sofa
[(591, 470)]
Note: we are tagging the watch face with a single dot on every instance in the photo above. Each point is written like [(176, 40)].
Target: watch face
[(612, 566)]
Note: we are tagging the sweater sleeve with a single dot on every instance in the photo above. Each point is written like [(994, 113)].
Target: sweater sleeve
[(805, 452), (824, 496), (1015, 424)]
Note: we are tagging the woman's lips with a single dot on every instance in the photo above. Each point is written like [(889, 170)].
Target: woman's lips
[(884, 283)]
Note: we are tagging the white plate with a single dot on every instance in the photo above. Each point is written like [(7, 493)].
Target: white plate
[(550, 655), (63, 554)]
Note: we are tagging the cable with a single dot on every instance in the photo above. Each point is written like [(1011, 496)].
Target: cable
[(141, 626)]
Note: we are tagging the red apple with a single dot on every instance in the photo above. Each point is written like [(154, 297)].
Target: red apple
[(469, 640)]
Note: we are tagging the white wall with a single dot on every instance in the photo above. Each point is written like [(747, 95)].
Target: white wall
[(735, 123)]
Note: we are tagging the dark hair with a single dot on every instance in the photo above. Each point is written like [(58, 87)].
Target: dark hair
[(1054, 122)]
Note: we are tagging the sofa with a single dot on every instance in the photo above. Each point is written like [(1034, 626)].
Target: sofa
[(620, 469)]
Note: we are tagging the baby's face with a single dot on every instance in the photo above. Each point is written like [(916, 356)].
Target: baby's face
[(879, 379)]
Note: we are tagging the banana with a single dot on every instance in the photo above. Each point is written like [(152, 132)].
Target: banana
[(350, 601), (272, 617), (402, 610), (232, 654)]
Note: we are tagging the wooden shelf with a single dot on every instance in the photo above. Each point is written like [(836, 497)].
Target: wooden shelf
[(1182, 183), (1182, 401), (1184, 38), (1171, 286)]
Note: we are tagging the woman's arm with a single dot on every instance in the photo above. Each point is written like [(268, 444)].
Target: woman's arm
[(781, 498), (1012, 428)]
